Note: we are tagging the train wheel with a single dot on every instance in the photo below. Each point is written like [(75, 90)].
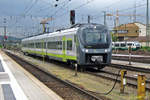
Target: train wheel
[(101, 67), (82, 68), (26, 54)]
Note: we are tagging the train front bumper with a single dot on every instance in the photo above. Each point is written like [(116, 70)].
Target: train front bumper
[(95, 57)]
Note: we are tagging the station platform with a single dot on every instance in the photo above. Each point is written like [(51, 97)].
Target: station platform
[(18, 84), (133, 64), (137, 56)]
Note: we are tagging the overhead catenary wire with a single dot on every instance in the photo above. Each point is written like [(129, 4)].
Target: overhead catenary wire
[(130, 8), (108, 6), (27, 6), (82, 5), (62, 7), (33, 4), (63, 12)]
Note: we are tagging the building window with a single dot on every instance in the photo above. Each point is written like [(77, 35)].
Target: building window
[(137, 31), (120, 31)]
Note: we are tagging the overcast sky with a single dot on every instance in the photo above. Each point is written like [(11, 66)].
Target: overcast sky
[(23, 16)]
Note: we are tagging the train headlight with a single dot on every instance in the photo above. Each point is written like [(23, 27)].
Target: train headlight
[(106, 50), (86, 50), (83, 50)]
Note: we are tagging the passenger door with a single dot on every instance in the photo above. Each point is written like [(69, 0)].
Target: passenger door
[(64, 48)]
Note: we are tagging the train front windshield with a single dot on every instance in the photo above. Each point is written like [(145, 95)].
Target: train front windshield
[(92, 36)]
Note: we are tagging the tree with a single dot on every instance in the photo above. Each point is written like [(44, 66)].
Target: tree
[(114, 38)]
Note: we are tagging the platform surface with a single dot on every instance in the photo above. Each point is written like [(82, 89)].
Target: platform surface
[(18, 84), (134, 64), (138, 56)]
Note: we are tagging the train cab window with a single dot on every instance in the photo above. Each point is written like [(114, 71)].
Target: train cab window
[(69, 44)]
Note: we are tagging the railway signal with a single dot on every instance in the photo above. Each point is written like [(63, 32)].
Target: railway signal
[(72, 17)]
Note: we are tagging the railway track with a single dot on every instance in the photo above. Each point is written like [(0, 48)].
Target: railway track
[(131, 68), (131, 81), (65, 89)]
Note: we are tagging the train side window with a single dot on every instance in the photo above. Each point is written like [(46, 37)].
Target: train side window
[(38, 45), (117, 45), (49, 45), (129, 44), (69, 44), (44, 45), (123, 45), (59, 46)]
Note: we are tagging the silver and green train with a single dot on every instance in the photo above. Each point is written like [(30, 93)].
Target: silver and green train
[(86, 45)]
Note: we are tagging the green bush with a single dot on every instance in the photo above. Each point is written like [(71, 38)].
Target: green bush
[(145, 48)]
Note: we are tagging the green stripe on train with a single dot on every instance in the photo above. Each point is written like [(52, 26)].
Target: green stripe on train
[(54, 55)]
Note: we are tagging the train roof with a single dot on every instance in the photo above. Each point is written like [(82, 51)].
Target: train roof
[(70, 30), (51, 34)]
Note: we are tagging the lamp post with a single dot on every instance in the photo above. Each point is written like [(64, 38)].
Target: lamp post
[(147, 23)]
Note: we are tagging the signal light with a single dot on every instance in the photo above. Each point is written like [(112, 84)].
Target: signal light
[(5, 37), (72, 17)]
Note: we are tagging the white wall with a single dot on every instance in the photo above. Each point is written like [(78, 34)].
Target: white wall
[(142, 29), (144, 44)]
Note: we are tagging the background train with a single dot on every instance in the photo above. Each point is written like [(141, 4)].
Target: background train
[(125, 45), (87, 45)]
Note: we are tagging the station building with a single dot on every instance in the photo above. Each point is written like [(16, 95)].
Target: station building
[(131, 32)]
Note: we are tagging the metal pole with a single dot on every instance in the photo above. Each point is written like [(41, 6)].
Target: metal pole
[(4, 33), (147, 23), (129, 50), (76, 69), (89, 18), (105, 18), (134, 20)]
